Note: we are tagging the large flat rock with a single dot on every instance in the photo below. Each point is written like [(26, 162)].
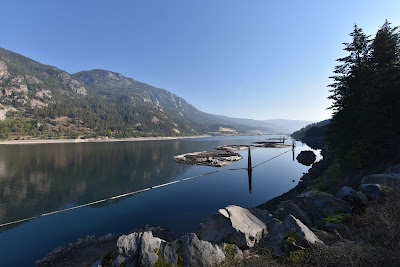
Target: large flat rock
[(290, 235), (234, 225)]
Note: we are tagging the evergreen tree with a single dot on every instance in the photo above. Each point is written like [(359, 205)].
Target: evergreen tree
[(349, 89), (385, 98), (366, 99)]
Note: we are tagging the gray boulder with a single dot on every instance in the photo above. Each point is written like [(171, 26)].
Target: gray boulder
[(234, 225), (197, 252), (127, 248), (138, 248), (355, 198), (272, 224), (268, 219), (290, 235), (149, 247), (306, 157), (382, 179), (321, 204), (290, 208), (345, 193), (169, 252), (262, 215), (374, 191)]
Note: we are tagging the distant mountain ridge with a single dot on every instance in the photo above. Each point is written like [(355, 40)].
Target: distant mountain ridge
[(275, 125), (287, 126), (41, 101)]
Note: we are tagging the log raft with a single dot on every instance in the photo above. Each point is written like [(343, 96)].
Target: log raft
[(209, 158), (270, 144)]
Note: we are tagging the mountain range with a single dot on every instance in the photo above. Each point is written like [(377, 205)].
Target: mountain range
[(41, 101)]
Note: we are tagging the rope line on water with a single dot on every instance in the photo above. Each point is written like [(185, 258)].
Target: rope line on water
[(271, 158), (133, 193)]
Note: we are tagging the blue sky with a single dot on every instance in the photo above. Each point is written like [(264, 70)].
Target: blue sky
[(248, 59)]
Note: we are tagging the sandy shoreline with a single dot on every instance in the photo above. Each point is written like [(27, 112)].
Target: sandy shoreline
[(92, 140)]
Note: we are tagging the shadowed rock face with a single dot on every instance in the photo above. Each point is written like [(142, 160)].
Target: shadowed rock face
[(234, 225), (306, 157), (382, 179), (373, 191), (197, 252), (291, 234), (356, 198), (320, 204), (290, 208)]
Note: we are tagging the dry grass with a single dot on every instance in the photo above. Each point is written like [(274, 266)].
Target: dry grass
[(376, 236), (372, 239), (343, 254), (380, 224)]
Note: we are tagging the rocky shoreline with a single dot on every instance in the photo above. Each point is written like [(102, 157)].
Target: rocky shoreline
[(306, 216)]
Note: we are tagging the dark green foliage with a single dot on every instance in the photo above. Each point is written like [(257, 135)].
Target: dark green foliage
[(316, 131), (313, 129), (366, 98)]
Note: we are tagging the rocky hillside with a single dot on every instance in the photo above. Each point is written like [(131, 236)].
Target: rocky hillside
[(40, 101)]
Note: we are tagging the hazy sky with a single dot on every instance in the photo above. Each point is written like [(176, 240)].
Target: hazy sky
[(250, 59)]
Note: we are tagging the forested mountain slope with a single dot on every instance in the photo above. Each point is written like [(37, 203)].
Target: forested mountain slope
[(40, 101)]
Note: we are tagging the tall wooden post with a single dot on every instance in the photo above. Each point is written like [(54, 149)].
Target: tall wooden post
[(293, 146), (250, 174), (249, 167)]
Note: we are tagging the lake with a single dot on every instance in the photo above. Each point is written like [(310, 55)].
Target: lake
[(40, 178)]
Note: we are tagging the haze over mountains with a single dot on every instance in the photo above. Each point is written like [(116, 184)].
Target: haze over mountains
[(275, 125), (43, 101)]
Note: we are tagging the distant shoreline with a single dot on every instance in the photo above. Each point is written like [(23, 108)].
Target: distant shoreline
[(92, 140)]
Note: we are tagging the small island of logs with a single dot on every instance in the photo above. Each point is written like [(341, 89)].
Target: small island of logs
[(225, 155), (270, 144), (209, 158), (232, 147)]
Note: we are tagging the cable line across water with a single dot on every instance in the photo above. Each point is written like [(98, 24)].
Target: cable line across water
[(134, 192)]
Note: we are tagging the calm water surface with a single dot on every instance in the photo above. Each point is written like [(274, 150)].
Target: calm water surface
[(35, 179)]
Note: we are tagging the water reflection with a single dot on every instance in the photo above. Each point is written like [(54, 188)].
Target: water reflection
[(39, 178), (35, 179), (250, 174)]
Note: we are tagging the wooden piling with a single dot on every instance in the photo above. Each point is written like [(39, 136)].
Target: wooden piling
[(250, 174), (293, 147), (249, 167)]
